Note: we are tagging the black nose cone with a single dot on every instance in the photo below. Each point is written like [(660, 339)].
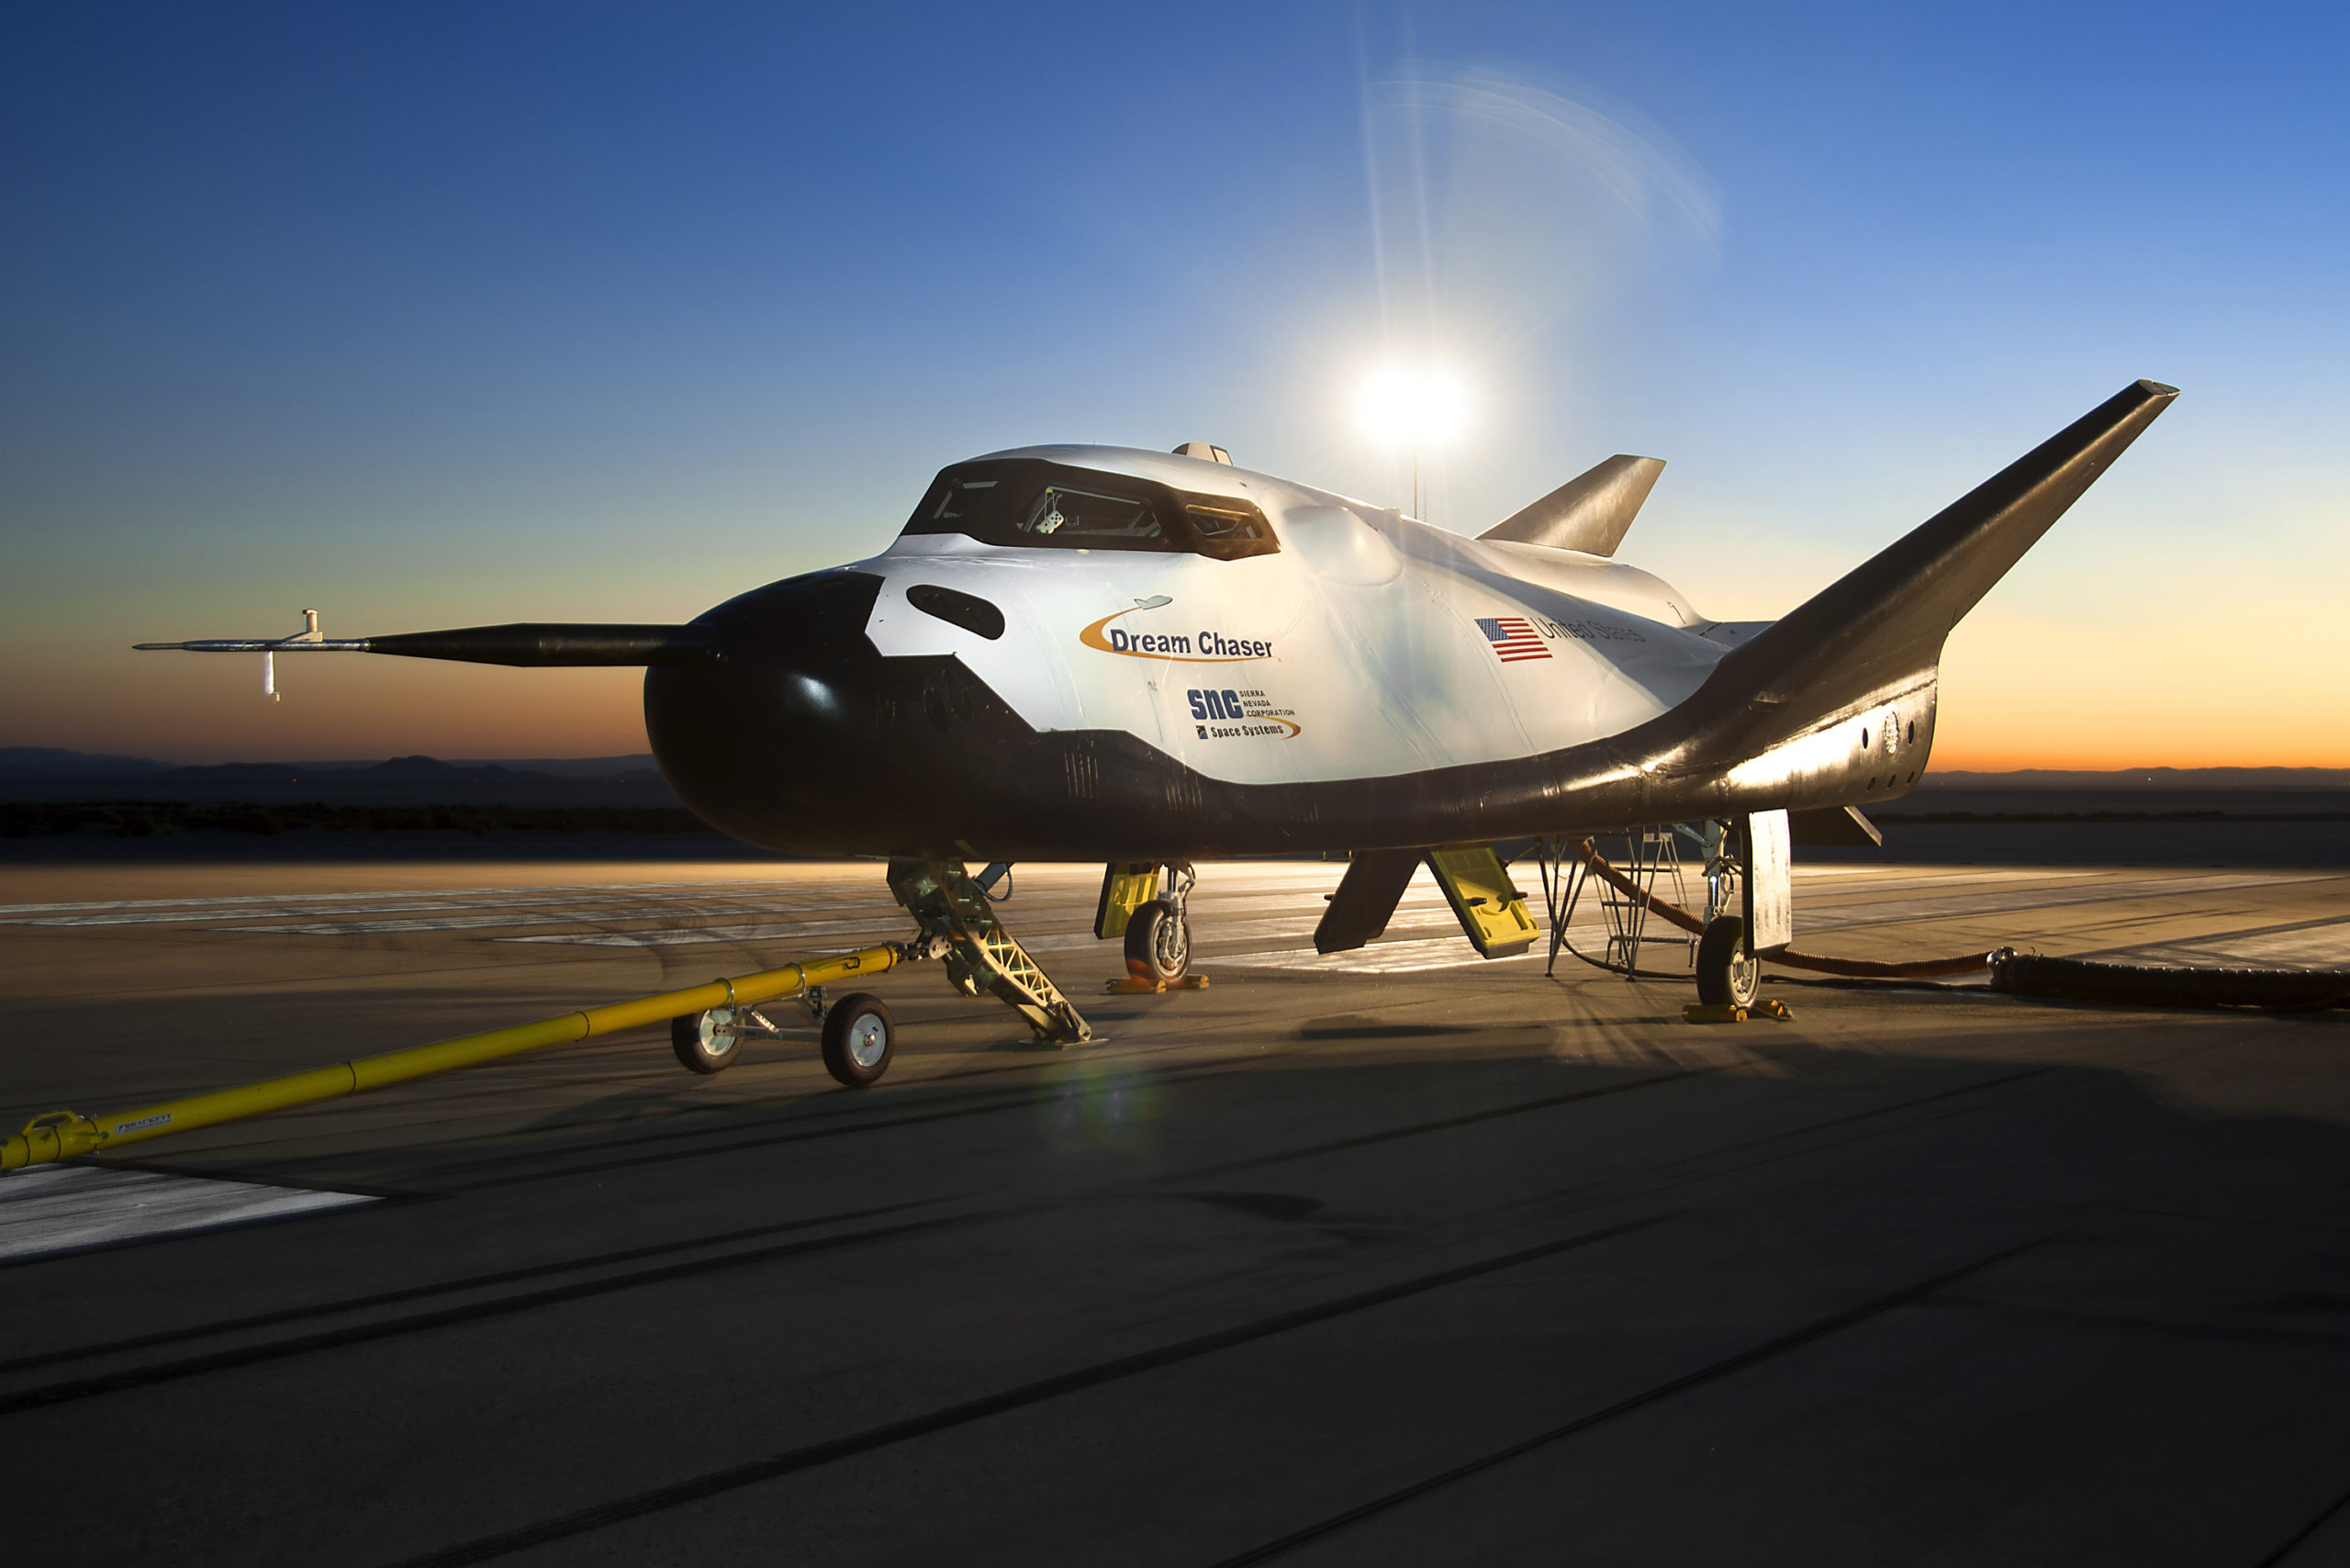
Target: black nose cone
[(780, 740)]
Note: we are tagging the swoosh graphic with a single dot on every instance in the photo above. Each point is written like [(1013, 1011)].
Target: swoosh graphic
[(1295, 728)]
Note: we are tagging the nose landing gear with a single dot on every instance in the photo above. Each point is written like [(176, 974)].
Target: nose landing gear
[(953, 912)]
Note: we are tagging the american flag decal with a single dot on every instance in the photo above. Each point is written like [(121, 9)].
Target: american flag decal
[(1513, 638)]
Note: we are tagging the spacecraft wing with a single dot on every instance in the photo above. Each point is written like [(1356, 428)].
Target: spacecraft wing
[(1887, 620)]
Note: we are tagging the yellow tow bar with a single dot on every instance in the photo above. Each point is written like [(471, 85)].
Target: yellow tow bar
[(61, 1135)]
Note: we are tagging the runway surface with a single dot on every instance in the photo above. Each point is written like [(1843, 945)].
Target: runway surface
[(1390, 1257)]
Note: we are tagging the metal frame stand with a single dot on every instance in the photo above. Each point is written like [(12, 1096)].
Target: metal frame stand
[(1648, 853), (1563, 876)]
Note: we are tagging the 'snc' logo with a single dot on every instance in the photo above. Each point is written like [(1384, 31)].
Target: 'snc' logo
[(1232, 715)]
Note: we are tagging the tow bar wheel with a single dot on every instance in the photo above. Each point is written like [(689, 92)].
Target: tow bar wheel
[(706, 1041), (1727, 974), (1158, 943), (858, 1039)]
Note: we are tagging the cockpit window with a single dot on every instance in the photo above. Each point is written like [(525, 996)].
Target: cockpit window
[(1037, 505), (1081, 517)]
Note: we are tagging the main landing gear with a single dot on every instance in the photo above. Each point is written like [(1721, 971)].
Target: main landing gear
[(1728, 970), (1746, 868), (1159, 934), (1153, 922)]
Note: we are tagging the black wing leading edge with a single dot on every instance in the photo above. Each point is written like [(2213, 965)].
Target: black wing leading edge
[(1887, 620)]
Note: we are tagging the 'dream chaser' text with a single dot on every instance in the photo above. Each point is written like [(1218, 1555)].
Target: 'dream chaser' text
[(1202, 644)]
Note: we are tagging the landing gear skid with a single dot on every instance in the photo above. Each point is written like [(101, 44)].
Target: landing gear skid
[(959, 925)]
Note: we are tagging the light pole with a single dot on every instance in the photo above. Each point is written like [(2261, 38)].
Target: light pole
[(1418, 404)]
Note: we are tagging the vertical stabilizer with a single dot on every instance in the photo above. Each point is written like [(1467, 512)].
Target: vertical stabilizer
[(1590, 512)]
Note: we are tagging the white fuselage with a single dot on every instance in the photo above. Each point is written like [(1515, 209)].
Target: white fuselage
[(1370, 645)]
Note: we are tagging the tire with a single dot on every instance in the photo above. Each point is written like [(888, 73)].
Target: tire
[(1158, 943), (1726, 977), (859, 1039), (697, 1044)]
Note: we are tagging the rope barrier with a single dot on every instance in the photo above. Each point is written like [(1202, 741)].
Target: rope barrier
[(2030, 975)]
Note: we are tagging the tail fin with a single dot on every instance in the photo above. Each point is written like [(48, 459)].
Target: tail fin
[(1888, 617), (1590, 512)]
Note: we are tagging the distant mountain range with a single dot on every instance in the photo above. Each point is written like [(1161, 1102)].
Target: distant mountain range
[(31, 764), (38, 762), (2141, 778), (42, 773)]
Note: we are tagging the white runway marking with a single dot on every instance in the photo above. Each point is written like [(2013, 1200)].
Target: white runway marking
[(543, 889), (1379, 958), (65, 1209), (280, 912), (1204, 930), (757, 930), (1828, 917), (2311, 945)]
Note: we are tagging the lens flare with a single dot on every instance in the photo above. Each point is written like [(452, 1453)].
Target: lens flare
[(1414, 406)]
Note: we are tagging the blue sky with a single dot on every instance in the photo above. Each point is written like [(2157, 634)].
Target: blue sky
[(433, 315)]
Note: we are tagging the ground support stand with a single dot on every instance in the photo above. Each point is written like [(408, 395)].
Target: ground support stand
[(1564, 872), (1652, 854), (980, 955)]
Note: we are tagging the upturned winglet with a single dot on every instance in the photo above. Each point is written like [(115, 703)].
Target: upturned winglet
[(1887, 620), (1590, 512)]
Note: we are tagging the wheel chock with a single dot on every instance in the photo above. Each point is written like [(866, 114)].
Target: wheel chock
[(1133, 985), (1722, 1013)]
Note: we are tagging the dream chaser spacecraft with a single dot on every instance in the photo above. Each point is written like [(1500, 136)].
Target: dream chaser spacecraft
[(1146, 659)]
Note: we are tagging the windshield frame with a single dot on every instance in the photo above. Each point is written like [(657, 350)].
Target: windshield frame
[(1222, 528)]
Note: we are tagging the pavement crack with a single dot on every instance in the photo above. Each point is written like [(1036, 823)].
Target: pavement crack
[(718, 1482), (360, 1333), (1796, 1339)]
